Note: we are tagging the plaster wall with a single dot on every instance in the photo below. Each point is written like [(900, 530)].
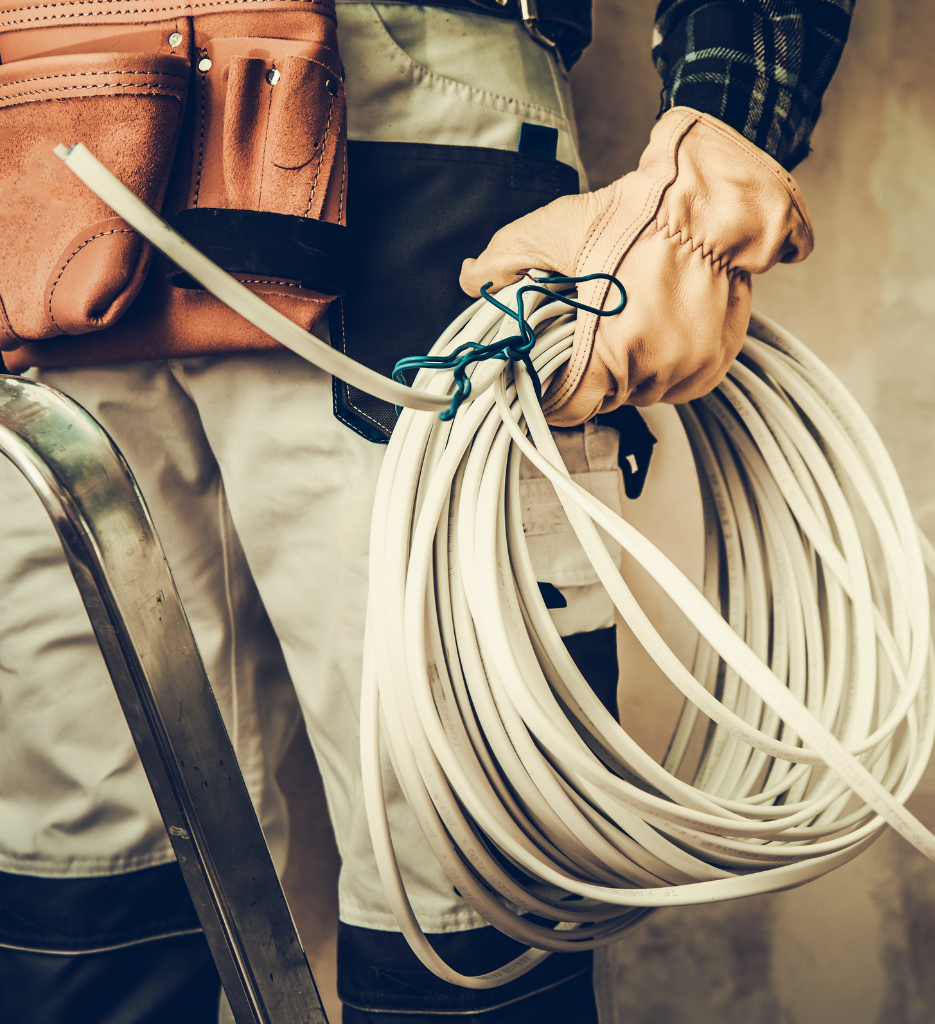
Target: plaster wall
[(859, 945)]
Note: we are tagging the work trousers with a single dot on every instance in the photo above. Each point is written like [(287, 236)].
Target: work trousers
[(262, 501)]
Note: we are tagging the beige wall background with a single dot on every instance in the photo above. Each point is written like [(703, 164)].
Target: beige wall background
[(857, 947)]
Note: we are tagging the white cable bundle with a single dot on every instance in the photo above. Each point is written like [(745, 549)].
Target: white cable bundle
[(814, 689)]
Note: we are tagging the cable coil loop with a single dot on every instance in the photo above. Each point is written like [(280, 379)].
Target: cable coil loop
[(808, 715)]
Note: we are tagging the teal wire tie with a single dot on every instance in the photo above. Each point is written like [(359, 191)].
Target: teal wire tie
[(517, 347)]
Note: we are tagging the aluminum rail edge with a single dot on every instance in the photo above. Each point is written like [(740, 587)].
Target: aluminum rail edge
[(130, 596)]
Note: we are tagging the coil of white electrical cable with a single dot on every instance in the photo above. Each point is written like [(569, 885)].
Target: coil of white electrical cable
[(813, 681), (811, 685)]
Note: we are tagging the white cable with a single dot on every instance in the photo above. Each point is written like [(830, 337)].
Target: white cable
[(819, 720), (808, 716)]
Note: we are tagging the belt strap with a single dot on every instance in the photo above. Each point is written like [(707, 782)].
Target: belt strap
[(562, 25)]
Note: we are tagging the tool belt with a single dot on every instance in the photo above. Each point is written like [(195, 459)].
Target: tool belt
[(228, 115)]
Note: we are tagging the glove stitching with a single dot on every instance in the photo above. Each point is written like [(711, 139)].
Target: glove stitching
[(576, 366), (778, 174), (663, 228), (86, 242)]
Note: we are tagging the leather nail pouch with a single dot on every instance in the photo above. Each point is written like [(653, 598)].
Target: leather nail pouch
[(265, 194), (67, 264)]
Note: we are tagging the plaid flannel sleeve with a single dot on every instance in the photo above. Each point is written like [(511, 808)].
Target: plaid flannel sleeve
[(760, 66)]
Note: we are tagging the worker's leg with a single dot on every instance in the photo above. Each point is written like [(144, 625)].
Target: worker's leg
[(300, 488), (85, 862)]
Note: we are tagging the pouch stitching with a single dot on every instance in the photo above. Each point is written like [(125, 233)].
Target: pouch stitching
[(201, 140), (87, 241), (256, 280), (9, 327), (189, 9), (343, 186), (82, 74), (347, 390), (154, 89), (269, 108), (321, 157), (360, 412)]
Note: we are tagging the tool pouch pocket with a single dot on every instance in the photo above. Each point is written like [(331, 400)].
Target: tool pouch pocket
[(67, 264), (268, 171)]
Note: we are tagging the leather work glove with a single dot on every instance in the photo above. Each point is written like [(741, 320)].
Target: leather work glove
[(704, 210)]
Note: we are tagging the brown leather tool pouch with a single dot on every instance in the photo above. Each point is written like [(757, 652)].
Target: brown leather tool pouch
[(258, 178), (67, 264)]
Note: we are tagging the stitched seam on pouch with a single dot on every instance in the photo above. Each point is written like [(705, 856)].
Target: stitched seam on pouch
[(347, 394), (153, 89), (286, 284), (321, 157), (343, 182), (87, 241), (83, 74), (201, 138), (362, 413), (311, 60), (9, 327), (168, 11), (269, 111)]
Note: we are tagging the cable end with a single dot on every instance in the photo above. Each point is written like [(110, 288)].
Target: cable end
[(63, 152)]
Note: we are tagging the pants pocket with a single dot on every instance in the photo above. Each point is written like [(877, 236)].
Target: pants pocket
[(68, 265)]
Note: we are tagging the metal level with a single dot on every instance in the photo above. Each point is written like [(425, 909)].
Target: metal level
[(144, 635)]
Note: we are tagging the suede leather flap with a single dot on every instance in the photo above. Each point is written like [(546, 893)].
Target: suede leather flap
[(74, 267)]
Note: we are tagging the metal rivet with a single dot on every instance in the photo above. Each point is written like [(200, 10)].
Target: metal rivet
[(204, 64), (273, 76), (175, 38), (332, 86)]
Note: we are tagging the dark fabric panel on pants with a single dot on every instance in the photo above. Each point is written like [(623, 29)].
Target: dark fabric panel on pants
[(164, 976), (79, 914), (595, 654), (163, 981), (377, 971), (568, 1002), (417, 211)]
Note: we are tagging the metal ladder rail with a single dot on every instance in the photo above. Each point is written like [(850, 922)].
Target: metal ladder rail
[(130, 596)]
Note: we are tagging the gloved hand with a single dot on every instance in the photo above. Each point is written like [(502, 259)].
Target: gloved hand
[(683, 233)]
